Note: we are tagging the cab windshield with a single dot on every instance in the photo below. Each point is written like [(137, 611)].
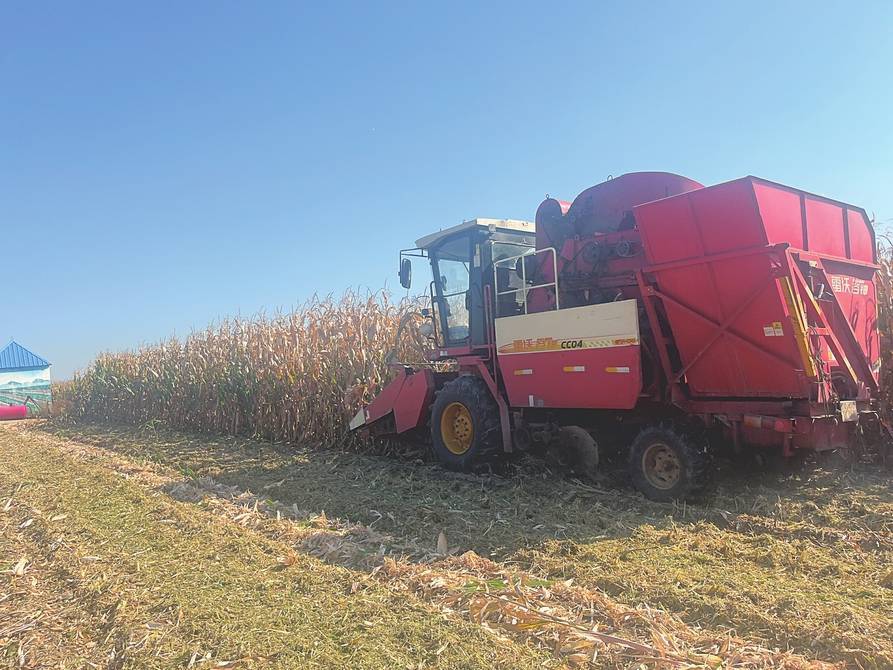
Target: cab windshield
[(452, 266)]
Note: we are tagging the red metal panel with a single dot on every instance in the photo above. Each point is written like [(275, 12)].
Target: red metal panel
[(721, 243), (727, 350), (824, 434), (743, 360), (669, 231), (600, 378), (407, 396), (856, 293), (782, 207), (854, 288), (825, 223), (813, 223), (412, 403), (383, 403), (861, 234), (727, 217), (707, 221)]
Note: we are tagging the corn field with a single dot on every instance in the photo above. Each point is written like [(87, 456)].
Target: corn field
[(295, 377)]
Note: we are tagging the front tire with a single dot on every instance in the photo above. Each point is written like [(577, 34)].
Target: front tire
[(667, 465), (464, 423)]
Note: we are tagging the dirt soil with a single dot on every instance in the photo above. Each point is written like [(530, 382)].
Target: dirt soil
[(146, 548)]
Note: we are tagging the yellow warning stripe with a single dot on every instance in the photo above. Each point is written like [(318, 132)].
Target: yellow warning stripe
[(798, 321), (569, 344)]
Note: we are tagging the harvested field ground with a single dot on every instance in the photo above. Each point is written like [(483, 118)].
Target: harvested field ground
[(144, 548)]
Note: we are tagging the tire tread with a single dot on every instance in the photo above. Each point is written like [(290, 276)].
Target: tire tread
[(475, 395)]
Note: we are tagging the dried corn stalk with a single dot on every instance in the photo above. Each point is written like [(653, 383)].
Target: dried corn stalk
[(295, 377)]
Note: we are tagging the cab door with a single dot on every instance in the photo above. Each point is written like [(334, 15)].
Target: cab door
[(451, 263)]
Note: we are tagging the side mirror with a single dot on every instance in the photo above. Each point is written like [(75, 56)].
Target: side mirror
[(405, 273)]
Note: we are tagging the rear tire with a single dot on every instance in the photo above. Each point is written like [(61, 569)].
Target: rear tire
[(581, 450), (666, 464), (464, 423)]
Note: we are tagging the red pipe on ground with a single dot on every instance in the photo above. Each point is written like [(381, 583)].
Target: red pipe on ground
[(12, 412)]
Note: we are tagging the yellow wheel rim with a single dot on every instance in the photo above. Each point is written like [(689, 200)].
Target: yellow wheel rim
[(661, 466), (456, 428)]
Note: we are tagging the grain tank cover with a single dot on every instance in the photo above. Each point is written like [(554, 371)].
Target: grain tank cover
[(734, 261), (750, 212), (605, 207)]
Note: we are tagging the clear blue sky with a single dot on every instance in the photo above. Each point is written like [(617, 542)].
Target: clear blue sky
[(165, 164)]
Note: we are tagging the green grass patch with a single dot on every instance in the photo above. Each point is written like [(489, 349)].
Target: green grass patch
[(171, 583)]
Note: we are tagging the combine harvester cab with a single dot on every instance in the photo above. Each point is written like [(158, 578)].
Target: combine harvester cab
[(653, 313)]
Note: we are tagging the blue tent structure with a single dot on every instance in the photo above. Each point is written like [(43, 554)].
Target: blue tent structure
[(15, 357), (24, 378)]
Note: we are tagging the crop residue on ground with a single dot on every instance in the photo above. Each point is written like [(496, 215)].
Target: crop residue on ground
[(768, 572)]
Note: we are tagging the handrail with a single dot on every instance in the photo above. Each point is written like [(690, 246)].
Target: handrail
[(524, 287)]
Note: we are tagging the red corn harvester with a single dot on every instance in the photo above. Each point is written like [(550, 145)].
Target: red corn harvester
[(653, 313)]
